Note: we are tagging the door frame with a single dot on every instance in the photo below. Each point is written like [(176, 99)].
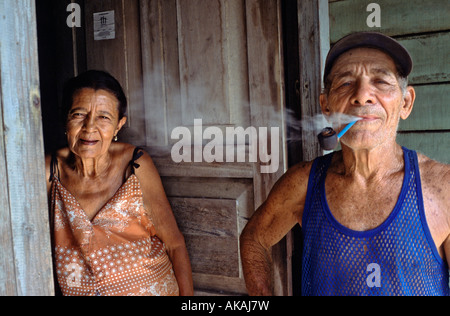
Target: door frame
[(25, 259)]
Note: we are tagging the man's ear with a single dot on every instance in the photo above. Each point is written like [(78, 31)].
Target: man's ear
[(408, 102), (324, 104)]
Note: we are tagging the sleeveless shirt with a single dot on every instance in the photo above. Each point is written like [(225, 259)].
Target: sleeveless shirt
[(115, 254), (397, 258)]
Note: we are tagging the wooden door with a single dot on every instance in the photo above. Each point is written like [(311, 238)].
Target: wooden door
[(218, 61)]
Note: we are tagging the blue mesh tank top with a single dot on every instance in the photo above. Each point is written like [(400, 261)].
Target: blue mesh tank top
[(397, 258)]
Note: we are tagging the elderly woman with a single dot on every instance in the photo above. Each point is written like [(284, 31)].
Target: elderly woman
[(114, 231)]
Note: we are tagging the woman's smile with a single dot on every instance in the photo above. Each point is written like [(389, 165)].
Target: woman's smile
[(88, 142)]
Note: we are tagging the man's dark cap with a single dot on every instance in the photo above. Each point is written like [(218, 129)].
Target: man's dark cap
[(372, 40)]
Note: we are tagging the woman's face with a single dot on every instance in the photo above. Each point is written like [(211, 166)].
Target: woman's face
[(93, 122)]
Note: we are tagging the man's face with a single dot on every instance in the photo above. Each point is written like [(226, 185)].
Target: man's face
[(364, 83)]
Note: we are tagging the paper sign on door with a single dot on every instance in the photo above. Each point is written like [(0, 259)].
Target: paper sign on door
[(104, 26)]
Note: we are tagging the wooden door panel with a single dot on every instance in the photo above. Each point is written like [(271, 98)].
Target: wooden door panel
[(195, 65), (211, 216), (210, 227)]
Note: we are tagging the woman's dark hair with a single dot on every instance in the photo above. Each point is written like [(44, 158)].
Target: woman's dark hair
[(97, 80)]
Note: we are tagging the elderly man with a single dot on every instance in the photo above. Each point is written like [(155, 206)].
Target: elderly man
[(375, 216)]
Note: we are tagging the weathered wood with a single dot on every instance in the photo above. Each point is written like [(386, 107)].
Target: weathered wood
[(22, 157), (210, 229), (430, 55), (314, 46), (211, 214), (397, 17), (167, 167), (8, 286), (266, 80), (154, 71), (267, 105), (240, 190), (170, 47), (431, 110), (202, 79), (434, 145), (195, 65)]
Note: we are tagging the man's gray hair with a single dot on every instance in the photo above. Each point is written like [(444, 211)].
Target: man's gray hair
[(403, 83)]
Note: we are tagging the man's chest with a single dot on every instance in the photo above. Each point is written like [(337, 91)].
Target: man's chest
[(366, 207), (362, 207)]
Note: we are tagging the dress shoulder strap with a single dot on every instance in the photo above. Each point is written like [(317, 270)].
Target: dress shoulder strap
[(138, 153), (54, 169)]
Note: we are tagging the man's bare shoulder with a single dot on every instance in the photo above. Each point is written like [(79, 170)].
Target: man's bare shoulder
[(434, 172), (297, 177), (435, 178), (289, 193)]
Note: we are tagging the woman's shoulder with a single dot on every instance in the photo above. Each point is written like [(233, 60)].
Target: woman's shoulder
[(52, 163), (121, 149), (131, 155), (126, 152)]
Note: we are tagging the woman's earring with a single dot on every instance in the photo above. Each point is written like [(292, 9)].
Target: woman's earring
[(115, 138)]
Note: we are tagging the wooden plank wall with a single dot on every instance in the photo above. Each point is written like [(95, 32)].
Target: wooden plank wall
[(423, 28), (267, 102), (25, 253), (313, 30)]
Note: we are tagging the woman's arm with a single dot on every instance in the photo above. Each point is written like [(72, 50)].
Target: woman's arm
[(155, 201)]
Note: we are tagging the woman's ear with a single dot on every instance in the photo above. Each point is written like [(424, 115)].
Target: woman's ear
[(122, 122), (408, 102)]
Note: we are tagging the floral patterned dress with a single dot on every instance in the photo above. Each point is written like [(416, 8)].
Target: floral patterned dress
[(115, 254)]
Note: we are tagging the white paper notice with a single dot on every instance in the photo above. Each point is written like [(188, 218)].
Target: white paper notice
[(104, 26)]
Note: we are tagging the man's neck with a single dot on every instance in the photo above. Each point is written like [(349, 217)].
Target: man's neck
[(372, 163)]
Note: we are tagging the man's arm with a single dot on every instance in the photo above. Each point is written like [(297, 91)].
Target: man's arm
[(447, 250), (270, 223), (447, 208), (435, 179)]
